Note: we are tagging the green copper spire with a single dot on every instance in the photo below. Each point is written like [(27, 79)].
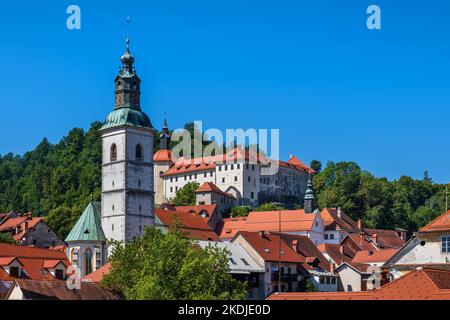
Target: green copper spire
[(89, 225), (310, 199), (127, 106)]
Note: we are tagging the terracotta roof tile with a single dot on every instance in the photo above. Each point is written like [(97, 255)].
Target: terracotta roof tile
[(441, 223), (162, 155), (332, 221), (268, 247), (291, 220), (194, 225), (97, 275), (211, 187), (370, 256), (32, 259)]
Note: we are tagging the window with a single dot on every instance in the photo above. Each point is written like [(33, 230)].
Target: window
[(253, 167), (220, 168), (139, 183), (232, 167), (446, 244), (235, 179), (251, 195), (327, 280), (223, 180), (88, 261), (332, 236), (59, 274), (333, 280), (246, 166), (112, 208), (321, 280), (113, 152), (238, 166), (226, 167), (210, 174), (248, 178), (171, 189), (171, 179), (112, 227), (14, 272), (138, 152), (326, 237), (204, 175)]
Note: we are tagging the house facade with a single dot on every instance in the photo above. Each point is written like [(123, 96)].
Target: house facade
[(429, 247)]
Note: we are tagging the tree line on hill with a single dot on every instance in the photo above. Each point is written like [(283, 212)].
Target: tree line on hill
[(57, 181)]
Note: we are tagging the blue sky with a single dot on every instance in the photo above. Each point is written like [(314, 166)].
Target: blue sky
[(336, 90)]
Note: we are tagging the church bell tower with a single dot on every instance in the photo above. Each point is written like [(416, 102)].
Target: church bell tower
[(127, 160)]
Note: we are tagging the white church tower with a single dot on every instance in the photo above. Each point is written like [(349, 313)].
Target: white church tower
[(127, 160)]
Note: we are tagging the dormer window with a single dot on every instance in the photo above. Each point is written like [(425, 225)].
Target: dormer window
[(14, 272)]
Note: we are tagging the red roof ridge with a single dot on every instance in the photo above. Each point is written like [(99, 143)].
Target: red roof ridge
[(426, 228)]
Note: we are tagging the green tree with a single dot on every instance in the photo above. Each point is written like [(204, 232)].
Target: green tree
[(170, 266), (241, 211), (186, 195), (316, 165), (269, 207), (6, 237), (309, 287)]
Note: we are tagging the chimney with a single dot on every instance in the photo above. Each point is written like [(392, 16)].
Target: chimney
[(332, 267), (24, 226), (361, 238), (294, 245), (339, 213), (30, 215), (375, 239), (359, 224), (341, 249)]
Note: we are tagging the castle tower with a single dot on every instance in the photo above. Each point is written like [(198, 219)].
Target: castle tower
[(163, 161), (309, 203), (127, 160)]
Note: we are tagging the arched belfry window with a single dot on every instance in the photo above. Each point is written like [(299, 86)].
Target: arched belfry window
[(138, 152), (113, 152)]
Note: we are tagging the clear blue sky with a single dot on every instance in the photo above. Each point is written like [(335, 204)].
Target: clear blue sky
[(336, 90)]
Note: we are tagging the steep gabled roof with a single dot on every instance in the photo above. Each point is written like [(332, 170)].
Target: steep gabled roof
[(13, 223), (191, 223), (211, 187), (34, 261), (334, 221), (385, 238), (89, 225), (441, 223), (268, 245)]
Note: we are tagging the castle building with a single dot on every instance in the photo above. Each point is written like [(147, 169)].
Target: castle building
[(127, 160), (237, 172)]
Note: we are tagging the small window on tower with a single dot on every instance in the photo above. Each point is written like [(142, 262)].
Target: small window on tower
[(113, 152), (138, 152)]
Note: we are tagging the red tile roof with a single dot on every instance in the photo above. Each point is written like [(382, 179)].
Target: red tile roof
[(33, 260), (211, 187), (13, 223), (291, 220), (58, 290), (162, 155), (441, 223), (97, 276), (332, 221), (268, 247), (198, 209), (385, 238), (370, 256), (334, 252), (194, 225), (306, 249), (421, 284)]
